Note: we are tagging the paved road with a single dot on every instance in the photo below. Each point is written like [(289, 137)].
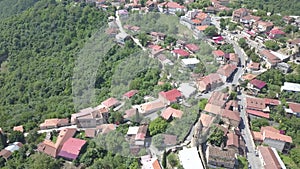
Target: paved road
[(253, 160)]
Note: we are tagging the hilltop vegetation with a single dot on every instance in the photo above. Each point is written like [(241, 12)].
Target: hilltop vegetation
[(40, 46), (13, 7)]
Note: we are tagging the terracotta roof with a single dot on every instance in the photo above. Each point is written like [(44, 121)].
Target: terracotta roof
[(48, 148), (110, 102), (142, 131), (171, 95), (255, 103), (251, 17), (257, 136), (258, 83), (270, 57), (171, 5), (130, 113), (269, 128), (258, 113), (152, 105), (91, 133), (232, 140), (181, 52), (269, 158), (106, 128), (254, 65), (211, 108), (64, 135), (54, 122), (265, 24), (233, 57), (227, 70), (202, 28), (221, 155), (210, 79), (249, 76), (218, 98), (5, 153), (295, 107), (206, 119), (192, 47), (18, 128), (231, 103), (130, 93), (156, 165), (218, 53), (271, 102), (232, 115), (201, 16), (171, 112), (71, 148), (277, 136)]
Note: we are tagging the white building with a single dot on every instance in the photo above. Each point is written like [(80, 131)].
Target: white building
[(190, 159), (190, 62), (291, 87)]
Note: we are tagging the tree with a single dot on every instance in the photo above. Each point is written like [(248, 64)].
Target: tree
[(295, 155), (290, 28), (217, 137), (272, 45), (202, 104), (233, 95), (157, 126), (40, 160), (210, 31), (16, 136), (115, 117), (175, 106), (3, 140), (143, 38), (172, 159)]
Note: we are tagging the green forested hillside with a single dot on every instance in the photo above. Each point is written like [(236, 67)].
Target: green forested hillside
[(40, 46), (285, 7), (12, 7)]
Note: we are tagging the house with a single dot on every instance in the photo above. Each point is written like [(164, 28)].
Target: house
[(233, 141), (129, 94), (150, 163), (256, 84), (121, 38), (239, 13), (273, 137), (151, 5), (270, 158), (164, 60), (158, 36), (256, 107), (249, 20), (217, 157), (288, 19), (54, 123), (231, 118), (190, 159), (171, 113), (257, 137), (169, 97), (180, 53), (105, 128), (271, 59), (190, 62), (123, 13), (18, 128), (209, 82), (276, 33), (8, 151), (137, 135), (290, 87), (232, 105), (52, 149), (110, 103), (130, 113), (187, 90), (198, 32), (206, 120), (283, 67), (233, 59), (248, 77), (192, 48), (253, 66), (195, 18), (90, 133), (227, 71), (294, 108), (169, 140), (112, 32), (151, 107), (71, 148), (216, 103), (90, 117), (262, 26), (170, 7), (219, 55), (293, 45)]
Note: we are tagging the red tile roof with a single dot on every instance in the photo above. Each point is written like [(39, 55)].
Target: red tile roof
[(232, 115), (218, 98), (233, 140), (271, 58), (269, 128), (206, 119), (277, 32), (257, 136), (218, 53), (255, 103), (181, 52), (54, 123), (202, 28), (295, 107), (277, 136), (110, 102), (258, 83), (130, 93), (254, 65), (272, 102), (171, 5), (156, 165), (71, 148), (269, 158), (171, 112), (171, 95), (192, 47), (91, 133), (258, 113), (227, 70)]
